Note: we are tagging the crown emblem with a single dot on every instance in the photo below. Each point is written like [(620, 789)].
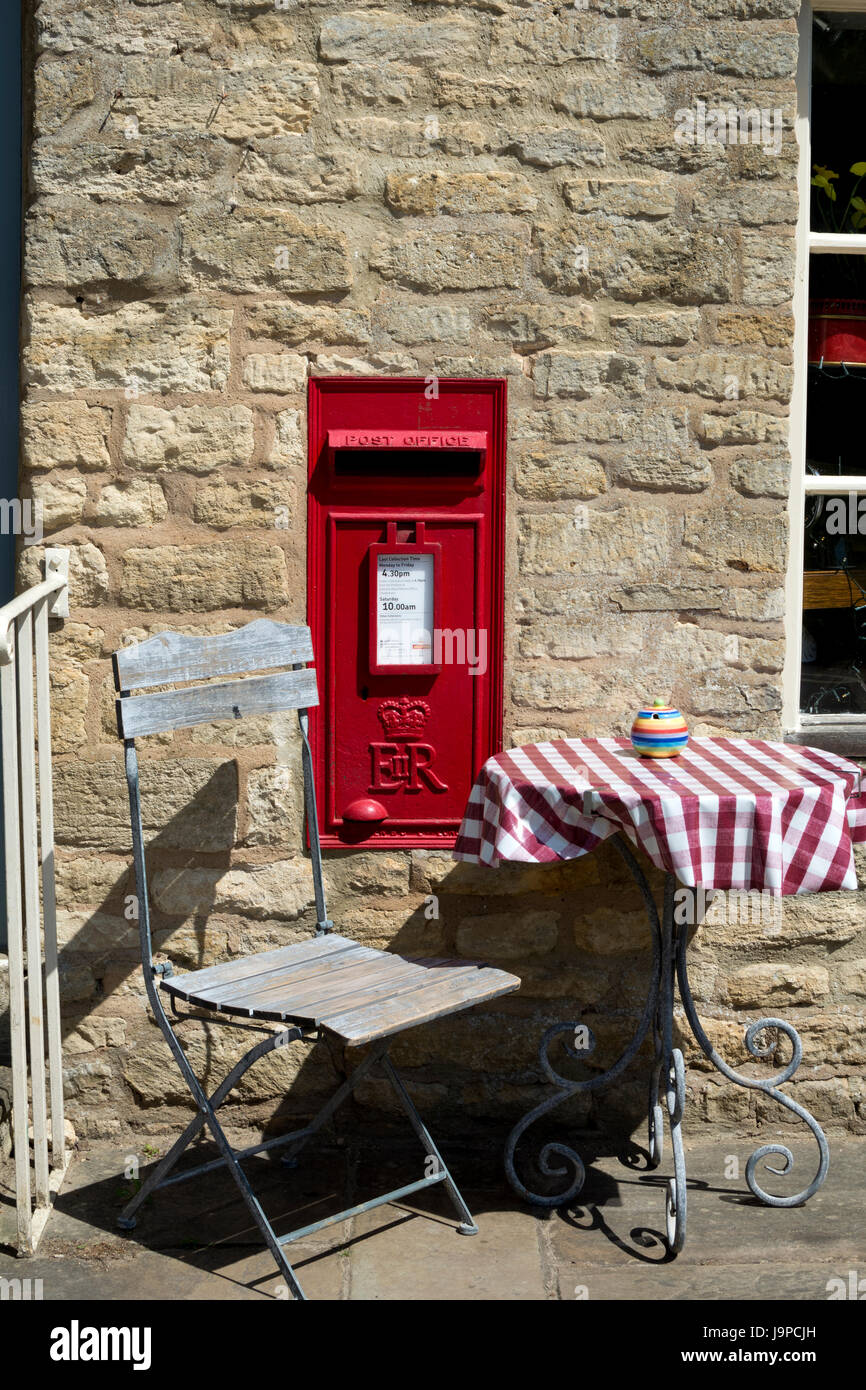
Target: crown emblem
[(403, 718)]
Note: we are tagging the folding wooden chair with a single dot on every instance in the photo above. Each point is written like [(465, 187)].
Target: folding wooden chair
[(327, 987)]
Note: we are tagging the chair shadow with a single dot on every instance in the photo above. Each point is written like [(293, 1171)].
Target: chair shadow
[(99, 957)]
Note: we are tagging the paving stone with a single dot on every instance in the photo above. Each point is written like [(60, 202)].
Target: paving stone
[(418, 1258)]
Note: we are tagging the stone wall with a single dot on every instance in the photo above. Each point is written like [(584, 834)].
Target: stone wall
[(228, 195)]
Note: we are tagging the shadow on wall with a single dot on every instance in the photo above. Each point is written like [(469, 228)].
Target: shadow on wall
[(575, 933)]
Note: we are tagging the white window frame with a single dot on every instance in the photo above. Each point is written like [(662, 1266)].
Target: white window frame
[(802, 484)]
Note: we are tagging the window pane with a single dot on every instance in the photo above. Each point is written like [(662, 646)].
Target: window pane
[(833, 679), (838, 132), (836, 415)]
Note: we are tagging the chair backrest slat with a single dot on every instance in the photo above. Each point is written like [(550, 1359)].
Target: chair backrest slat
[(180, 709), (171, 656)]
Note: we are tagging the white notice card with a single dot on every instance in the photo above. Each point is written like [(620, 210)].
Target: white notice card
[(404, 610)]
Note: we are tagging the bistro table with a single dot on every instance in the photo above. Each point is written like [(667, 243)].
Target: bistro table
[(726, 813)]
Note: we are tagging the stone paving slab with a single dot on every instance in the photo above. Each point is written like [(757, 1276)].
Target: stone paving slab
[(619, 1219), (418, 1257), (196, 1241)]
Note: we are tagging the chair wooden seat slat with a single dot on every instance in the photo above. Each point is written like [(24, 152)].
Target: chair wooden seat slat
[(296, 956), (327, 987), (421, 1005), (327, 984), (343, 982), (308, 982), (249, 980)]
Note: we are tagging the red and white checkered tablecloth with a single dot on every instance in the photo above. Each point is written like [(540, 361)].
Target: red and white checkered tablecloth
[(725, 813)]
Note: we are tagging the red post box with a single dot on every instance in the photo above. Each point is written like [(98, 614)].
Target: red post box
[(406, 511)]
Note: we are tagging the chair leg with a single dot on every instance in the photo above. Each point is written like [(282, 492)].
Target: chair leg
[(252, 1203), (126, 1220), (336, 1100), (467, 1226), (207, 1116)]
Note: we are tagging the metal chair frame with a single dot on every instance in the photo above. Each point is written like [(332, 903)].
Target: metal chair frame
[(207, 1106)]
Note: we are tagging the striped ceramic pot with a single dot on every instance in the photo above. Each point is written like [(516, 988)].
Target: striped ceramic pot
[(659, 732)]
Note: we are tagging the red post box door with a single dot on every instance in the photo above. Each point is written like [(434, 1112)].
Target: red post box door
[(405, 578)]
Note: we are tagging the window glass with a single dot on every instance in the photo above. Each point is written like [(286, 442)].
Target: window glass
[(834, 605)]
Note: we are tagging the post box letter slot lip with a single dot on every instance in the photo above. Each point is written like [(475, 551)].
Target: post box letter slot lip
[(409, 549), (413, 455), (474, 441)]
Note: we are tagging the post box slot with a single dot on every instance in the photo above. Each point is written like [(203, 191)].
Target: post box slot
[(408, 463)]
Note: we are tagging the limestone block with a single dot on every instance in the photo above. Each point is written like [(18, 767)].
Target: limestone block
[(77, 244), (852, 977), (565, 639), (666, 598), (253, 249), (762, 477), (453, 259), (186, 804), (380, 875), (268, 504), (455, 194), (768, 268), (289, 445), (583, 374), (281, 891), (627, 543), (718, 49), (75, 642), (469, 92), (551, 147), (67, 434), (59, 500), (277, 372), (550, 472), (752, 542), (667, 328), (70, 689), (501, 937), (362, 36), (726, 377), (176, 578), (550, 41), (242, 102), (131, 502), (744, 427), (180, 346), (120, 166), (87, 879), (287, 171), (415, 323), (641, 198), (610, 95), (194, 439), (274, 798), (88, 572), (530, 327), (295, 324)]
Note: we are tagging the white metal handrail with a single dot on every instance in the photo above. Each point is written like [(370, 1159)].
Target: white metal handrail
[(28, 825)]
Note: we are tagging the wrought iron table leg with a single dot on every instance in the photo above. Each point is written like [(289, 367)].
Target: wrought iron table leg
[(667, 1077), (582, 1046), (673, 1074), (769, 1086)]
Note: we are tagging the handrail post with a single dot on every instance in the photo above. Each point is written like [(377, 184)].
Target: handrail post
[(28, 831)]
